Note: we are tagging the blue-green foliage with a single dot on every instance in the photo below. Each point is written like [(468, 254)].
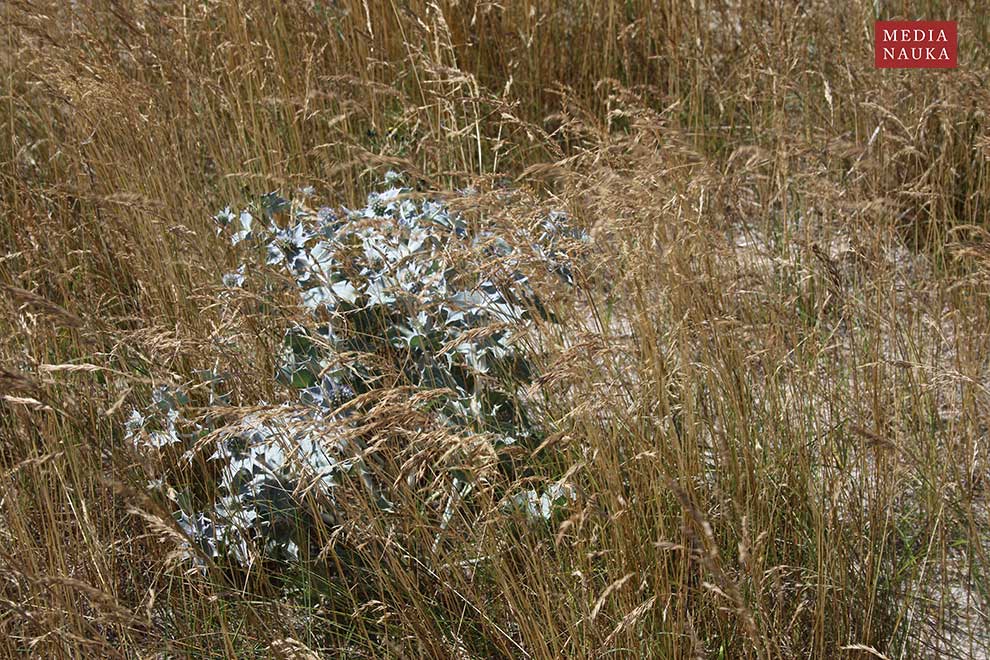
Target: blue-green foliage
[(395, 296)]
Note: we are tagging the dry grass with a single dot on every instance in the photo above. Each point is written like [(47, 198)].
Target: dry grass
[(771, 384)]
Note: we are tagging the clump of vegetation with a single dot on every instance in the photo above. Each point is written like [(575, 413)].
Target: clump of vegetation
[(396, 298)]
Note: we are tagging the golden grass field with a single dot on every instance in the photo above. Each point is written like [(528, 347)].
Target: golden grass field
[(769, 383)]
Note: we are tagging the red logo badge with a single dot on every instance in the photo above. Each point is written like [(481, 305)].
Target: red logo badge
[(915, 44)]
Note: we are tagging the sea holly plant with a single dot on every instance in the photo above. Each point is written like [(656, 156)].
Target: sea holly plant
[(400, 293)]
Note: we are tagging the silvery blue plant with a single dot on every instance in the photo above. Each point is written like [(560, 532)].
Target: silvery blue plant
[(389, 281)]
